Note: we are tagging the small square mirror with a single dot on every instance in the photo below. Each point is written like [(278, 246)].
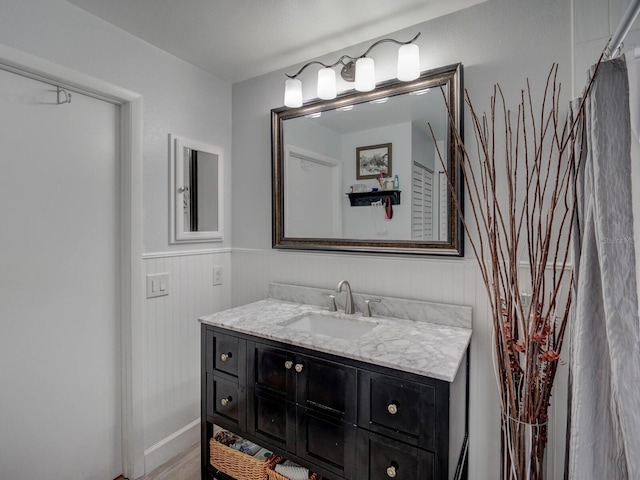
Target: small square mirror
[(196, 191)]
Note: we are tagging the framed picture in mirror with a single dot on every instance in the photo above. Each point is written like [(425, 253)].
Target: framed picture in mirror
[(373, 161)]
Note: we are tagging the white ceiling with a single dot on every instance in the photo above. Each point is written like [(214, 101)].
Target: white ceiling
[(240, 39)]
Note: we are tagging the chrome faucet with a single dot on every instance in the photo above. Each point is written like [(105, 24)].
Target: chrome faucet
[(348, 308)]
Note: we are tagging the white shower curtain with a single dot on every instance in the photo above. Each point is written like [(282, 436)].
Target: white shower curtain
[(604, 418)]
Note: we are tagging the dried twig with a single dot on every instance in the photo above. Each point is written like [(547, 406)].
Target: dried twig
[(529, 212)]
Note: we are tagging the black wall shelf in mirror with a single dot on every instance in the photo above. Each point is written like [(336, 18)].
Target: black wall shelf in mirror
[(363, 199)]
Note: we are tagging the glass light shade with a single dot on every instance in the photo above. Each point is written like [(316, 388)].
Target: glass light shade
[(408, 62), (365, 74), (327, 84), (293, 93)]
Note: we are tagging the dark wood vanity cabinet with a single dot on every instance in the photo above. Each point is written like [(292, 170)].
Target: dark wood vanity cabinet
[(299, 401), (339, 417)]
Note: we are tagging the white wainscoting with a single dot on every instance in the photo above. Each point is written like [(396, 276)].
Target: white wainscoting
[(455, 281), (172, 348)]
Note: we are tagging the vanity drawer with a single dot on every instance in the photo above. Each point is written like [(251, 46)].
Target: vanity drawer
[(226, 354), (226, 400), (403, 409), (381, 458)]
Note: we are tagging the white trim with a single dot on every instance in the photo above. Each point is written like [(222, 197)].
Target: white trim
[(185, 253), (172, 445), (379, 258), (35, 67), (131, 234), (133, 332)]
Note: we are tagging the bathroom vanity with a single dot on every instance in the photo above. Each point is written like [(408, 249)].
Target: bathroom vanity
[(379, 398)]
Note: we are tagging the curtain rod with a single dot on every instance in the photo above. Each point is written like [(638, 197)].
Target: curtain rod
[(613, 47)]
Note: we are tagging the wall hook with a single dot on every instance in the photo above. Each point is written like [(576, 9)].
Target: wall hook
[(63, 96)]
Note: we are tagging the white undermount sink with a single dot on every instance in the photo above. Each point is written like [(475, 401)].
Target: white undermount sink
[(330, 324)]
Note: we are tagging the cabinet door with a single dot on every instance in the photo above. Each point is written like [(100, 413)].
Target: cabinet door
[(329, 387), (271, 370), (326, 442), (271, 419), (381, 458), (271, 409)]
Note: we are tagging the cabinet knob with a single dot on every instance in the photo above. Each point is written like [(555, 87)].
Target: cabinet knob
[(288, 364), (226, 401), (391, 471), (299, 367), (225, 356), (392, 408)]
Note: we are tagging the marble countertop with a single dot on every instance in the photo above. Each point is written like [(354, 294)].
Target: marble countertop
[(418, 347)]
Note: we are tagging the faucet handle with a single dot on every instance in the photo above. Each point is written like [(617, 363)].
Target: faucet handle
[(367, 312), (332, 303)]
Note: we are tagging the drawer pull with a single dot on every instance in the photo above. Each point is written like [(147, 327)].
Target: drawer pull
[(288, 364), (225, 356), (392, 408), (391, 471), (299, 367), (226, 401)]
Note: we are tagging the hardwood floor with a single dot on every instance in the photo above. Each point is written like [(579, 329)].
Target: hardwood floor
[(185, 466)]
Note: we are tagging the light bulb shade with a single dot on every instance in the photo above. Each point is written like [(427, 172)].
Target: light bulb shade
[(326, 84), (293, 93), (408, 62), (365, 74)]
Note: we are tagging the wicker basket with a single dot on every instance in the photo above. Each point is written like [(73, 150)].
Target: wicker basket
[(273, 475), (237, 464)]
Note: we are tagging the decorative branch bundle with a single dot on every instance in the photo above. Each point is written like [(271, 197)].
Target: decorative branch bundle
[(524, 213)]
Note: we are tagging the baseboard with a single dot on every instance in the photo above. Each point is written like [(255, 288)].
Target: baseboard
[(171, 446)]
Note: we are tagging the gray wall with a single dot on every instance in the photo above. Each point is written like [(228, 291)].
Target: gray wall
[(501, 41), (181, 99), (178, 98)]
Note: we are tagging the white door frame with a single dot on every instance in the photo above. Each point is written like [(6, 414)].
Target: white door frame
[(131, 227)]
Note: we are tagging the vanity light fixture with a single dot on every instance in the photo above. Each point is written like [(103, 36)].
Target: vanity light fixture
[(326, 84), (293, 92), (360, 70)]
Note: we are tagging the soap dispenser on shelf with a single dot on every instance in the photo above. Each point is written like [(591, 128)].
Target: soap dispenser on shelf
[(396, 183)]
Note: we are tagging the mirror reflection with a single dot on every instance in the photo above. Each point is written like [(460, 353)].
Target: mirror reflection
[(363, 171), (200, 190), (196, 191), (373, 147)]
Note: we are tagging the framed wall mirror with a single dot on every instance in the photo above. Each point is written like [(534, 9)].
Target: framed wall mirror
[(196, 191), (362, 172)]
